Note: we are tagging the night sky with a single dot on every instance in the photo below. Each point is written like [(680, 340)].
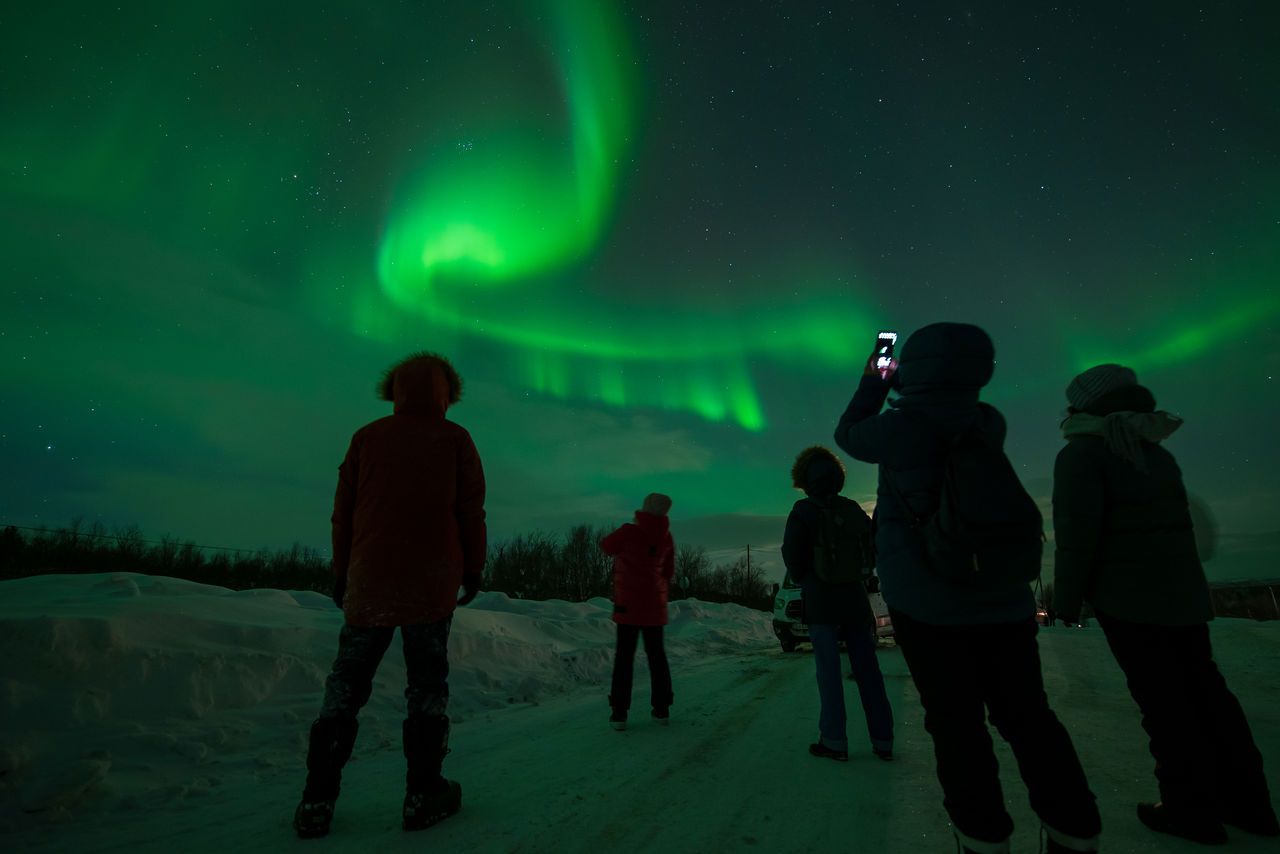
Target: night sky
[(657, 239)]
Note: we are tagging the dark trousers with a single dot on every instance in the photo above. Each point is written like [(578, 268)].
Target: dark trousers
[(965, 672), (860, 643), (624, 667), (360, 651), (1205, 755)]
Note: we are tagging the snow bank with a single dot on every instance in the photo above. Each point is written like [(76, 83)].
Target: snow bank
[(125, 684)]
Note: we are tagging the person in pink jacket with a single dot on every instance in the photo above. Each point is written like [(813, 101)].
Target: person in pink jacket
[(643, 564)]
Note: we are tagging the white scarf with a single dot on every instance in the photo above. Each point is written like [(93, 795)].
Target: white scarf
[(1124, 432)]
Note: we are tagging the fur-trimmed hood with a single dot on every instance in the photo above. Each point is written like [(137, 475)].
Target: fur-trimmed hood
[(421, 384)]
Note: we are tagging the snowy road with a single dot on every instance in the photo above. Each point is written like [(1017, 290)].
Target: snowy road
[(148, 714), (730, 773)]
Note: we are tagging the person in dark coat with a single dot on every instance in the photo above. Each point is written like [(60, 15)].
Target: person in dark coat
[(643, 565), (834, 613), (1125, 543), (971, 649), (408, 531)]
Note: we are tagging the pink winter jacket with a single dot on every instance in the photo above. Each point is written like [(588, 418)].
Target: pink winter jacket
[(643, 563)]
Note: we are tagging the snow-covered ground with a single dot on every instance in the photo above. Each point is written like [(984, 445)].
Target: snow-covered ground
[(151, 714)]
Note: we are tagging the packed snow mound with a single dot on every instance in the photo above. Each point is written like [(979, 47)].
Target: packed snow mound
[(117, 663)]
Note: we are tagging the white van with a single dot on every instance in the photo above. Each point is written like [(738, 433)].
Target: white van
[(791, 630)]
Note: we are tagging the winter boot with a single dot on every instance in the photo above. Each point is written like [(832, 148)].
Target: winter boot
[(329, 749), (971, 845), (1056, 842), (821, 750), (1195, 825), (429, 798), (662, 715), (618, 720)]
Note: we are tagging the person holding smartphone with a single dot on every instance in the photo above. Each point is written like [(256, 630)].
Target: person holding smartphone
[(644, 562), (971, 648)]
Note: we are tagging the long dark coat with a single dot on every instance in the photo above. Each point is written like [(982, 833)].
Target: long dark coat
[(1124, 537)]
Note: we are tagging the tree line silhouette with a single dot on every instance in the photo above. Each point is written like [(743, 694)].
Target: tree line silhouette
[(527, 566)]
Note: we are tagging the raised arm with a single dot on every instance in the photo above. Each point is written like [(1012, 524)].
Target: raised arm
[(862, 433), (616, 543)]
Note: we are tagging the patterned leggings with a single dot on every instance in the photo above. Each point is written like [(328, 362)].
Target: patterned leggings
[(360, 651)]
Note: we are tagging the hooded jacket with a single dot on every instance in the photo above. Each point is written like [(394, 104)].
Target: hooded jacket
[(940, 371), (408, 516), (824, 604), (643, 564), (1122, 525)]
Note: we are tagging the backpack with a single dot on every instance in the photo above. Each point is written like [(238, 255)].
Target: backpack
[(843, 551), (987, 530)]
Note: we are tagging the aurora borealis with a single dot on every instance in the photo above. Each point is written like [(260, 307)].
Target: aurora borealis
[(657, 240)]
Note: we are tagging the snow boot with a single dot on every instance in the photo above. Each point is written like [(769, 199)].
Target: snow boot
[(1056, 842), (662, 715), (884, 753), (328, 751), (824, 752), (971, 845), (311, 819), (618, 720), (429, 798), (1195, 825), (1260, 821)]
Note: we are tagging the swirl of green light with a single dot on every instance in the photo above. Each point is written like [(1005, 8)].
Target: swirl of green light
[(481, 219), (521, 207)]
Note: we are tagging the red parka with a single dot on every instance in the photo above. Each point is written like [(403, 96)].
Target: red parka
[(643, 562), (408, 517)]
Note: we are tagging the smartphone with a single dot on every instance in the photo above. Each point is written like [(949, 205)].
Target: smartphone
[(884, 349)]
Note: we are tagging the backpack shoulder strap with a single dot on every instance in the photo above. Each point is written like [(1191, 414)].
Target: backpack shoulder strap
[(902, 499)]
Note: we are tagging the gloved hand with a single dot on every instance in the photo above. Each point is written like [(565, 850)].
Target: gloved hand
[(339, 590), (873, 584), (470, 587)]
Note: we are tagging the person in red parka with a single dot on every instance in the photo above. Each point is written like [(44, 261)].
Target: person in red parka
[(408, 531), (643, 564)]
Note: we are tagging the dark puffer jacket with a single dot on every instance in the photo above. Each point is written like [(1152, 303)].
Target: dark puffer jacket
[(1124, 537), (408, 516), (643, 564), (940, 371), (824, 604)]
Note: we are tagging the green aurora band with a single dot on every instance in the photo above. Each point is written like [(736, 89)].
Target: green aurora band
[(489, 235), (473, 240), (480, 222)]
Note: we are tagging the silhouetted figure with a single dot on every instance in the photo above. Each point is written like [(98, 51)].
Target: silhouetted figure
[(643, 564), (408, 531), (970, 646), (824, 529), (1125, 544)]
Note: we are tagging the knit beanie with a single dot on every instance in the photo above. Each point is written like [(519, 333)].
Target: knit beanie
[(1085, 389), (656, 503)]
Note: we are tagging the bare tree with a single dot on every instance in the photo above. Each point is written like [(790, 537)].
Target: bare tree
[(692, 568)]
